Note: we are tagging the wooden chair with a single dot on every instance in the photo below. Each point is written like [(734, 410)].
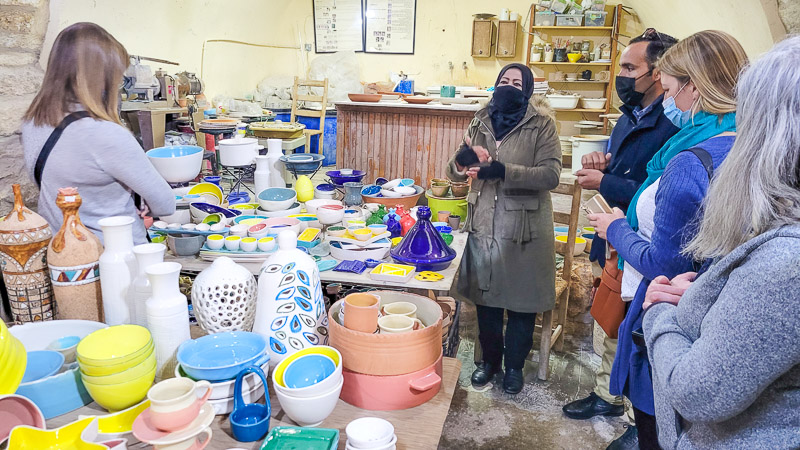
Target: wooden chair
[(554, 336), (305, 112)]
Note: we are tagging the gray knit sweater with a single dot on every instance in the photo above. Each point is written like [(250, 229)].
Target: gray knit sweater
[(726, 360), (104, 161)]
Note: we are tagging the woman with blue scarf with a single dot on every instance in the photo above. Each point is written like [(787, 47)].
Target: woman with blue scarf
[(699, 77)]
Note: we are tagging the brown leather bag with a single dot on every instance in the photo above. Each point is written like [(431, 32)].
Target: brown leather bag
[(608, 309)]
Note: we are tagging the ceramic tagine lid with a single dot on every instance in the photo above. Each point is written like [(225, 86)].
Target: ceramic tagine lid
[(423, 246)]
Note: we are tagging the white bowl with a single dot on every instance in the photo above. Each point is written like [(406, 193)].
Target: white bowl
[(405, 190), (330, 216), (181, 215), (215, 244), (315, 389), (593, 103), (369, 432), (310, 411), (248, 246), (268, 203), (390, 193), (177, 163), (239, 230), (391, 445), (266, 246), (312, 205), (563, 101)]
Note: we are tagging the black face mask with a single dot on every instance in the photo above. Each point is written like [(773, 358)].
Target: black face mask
[(626, 89), (507, 108)]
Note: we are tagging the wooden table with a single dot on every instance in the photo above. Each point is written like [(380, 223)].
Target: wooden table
[(194, 264), (416, 428), (397, 139)]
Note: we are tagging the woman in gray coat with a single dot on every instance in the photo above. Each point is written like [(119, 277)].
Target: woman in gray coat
[(512, 154)]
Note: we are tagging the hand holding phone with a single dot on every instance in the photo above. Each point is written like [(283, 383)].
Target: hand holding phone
[(597, 205)]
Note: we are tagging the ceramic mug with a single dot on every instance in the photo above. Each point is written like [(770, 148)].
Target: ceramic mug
[(189, 444), (361, 311), (447, 91), (174, 402), (407, 309), (396, 324)]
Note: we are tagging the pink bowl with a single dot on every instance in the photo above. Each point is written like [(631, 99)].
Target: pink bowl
[(18, 410)]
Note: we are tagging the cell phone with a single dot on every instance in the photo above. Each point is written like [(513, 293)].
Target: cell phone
[(597, 205)]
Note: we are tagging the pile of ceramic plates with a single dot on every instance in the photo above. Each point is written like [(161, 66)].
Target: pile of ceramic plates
[(13, 360)]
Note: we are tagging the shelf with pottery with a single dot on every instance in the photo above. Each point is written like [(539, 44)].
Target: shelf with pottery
[(571, 29)]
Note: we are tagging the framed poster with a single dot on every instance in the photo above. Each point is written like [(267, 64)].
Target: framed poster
[(390, 26), (338, 25)]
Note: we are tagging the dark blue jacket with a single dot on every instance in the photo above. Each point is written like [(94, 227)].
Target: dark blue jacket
[(631, 146)]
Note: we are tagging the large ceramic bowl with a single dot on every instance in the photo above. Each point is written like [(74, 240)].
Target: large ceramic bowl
[(330, 214), (276, 198), (42, 364), (310, 411), (294, 209), (111, 369), (126, 375), (114, 345), (312, 205), (116, 397), (16, 410), (177, 163), (339, 180), (205, 190), (407, 201), (222, 356), (315, 389), (278, 224), (303, 164)]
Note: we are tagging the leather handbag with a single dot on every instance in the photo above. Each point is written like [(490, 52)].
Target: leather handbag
[(608, 309)]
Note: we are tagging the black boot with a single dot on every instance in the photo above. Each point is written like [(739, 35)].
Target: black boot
[(591, 406), (513, 381), (484, 373), (628, 441)]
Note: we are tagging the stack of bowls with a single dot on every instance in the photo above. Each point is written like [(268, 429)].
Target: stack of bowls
[(222, 392), (117, 365), (308, 383), (370, 433), (12, 361)]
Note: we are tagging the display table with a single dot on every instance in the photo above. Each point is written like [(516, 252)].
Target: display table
[(193, 264), (397, 139), (416, 428)]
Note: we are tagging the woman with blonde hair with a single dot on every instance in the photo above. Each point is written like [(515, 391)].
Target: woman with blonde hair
[(736, 384), (72, 135), (699, 77)]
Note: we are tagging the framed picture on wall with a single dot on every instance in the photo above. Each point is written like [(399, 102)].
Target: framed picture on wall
[(338, 25), (390, 26)]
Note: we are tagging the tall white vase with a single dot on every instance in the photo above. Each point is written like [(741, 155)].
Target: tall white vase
[(261, 177), (167, 316), (274, 153), (117, 269), (290, 312), (146, 256)]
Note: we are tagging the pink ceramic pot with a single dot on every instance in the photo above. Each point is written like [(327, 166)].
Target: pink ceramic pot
[(361, 312), (388, 393)]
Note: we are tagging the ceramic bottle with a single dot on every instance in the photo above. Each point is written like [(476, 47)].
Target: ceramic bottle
[(393, 225), (167, 316), (291, 309), (261, 177), (391, 213), (406, 222), (146, 256), (376, 218), (117, 269), (274, 164), (73, 258), (24, 236), (224, 297)]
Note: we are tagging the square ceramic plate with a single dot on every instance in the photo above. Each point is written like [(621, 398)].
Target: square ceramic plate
[(291, 438), (397, 273)]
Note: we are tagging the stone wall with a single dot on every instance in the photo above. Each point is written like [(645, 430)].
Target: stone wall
[(23, 24), (789, 10)]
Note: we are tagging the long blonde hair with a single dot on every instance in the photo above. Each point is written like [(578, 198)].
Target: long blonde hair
[(85, 68), (757, 188), (712, 60)]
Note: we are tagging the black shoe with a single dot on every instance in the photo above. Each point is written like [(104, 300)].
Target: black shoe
[(484, 374), (513, 381), (628, 441), (591, 406)]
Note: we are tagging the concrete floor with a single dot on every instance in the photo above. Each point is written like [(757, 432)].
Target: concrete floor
[(490, 419)]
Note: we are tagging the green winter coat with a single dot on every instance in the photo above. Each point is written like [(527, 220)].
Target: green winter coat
[(509, 260)]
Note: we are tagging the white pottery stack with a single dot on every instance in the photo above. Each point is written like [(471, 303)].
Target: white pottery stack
[(146, 256), (167, 316), (224, 297), (291, 308), (117, 269)]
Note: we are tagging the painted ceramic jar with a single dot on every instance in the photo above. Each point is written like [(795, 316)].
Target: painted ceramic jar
[(73, 258), (167, 316), (146, 256), (224, 297), (406, 222), (291, 308), (393, 225), (117, 269), (24, 236)]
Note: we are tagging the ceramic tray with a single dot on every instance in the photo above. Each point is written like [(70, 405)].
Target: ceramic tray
[(224, 232), (379, 251), (351, 240), (398, 273), (306, 438)]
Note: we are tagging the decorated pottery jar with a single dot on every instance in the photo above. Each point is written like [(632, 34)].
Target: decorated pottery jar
[(224, 297)]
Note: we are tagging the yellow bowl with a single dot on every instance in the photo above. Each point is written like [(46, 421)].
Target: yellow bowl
[(24, 437), (111, 369), (12, 366), (126, 375), (120, 421), (114, 345), (573, 57), (319, 350), (116, 397), (207, 188), (251, 222)]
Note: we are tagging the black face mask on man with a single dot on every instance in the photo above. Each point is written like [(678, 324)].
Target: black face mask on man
[(626, 89)]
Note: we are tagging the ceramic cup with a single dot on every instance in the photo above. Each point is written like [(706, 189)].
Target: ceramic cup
[(407, 309), (266, 244), (215, 241), (396, 324), (190, 444), (361, 312), (443, 216), (447, 91), (232, 243), (174, 403), (248, 244), (454, 221)]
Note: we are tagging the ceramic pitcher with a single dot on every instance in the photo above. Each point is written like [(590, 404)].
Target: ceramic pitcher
[(146, 256), (24, 236), (117, 269), (73, 258), (291, 309), (167, 316)]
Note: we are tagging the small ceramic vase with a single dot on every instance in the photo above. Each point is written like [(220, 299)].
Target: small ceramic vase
[(24, 236), (224, 297), (406, 222), (117, 269), (73, 258), (393, 225), (262, 173), (167, 316), (392, 213), (274, 163), (375, 218), (146, 256), (352, 193), (291, 308)]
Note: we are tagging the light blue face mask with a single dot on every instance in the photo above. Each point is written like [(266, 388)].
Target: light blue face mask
[(675, 115)]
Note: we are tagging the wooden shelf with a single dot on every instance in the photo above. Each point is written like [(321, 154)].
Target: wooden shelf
[(573, 28), (599, 111), (567, 63)]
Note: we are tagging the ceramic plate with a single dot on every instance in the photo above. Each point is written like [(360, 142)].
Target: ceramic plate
[(280, 438), (145, 431)]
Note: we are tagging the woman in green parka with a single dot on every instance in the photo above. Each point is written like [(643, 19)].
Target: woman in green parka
[(512, 154)]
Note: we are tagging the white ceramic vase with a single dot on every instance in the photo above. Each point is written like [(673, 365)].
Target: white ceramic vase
[(146, 256), (261, 177), (274, 153), (224, 297), (291, 309), (167, 316), (117, 269)]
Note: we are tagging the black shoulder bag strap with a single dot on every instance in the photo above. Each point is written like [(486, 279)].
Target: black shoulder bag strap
[(705, 159), (51, 142)]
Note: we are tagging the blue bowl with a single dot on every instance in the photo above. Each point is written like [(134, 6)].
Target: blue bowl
[(301, 164), (561, 230), (277, 194), (326, 187), (174, 151), (371, 190), (308, 370), (339, 179), (222, 356), (42, 364), (208, 208), (407, 182)]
